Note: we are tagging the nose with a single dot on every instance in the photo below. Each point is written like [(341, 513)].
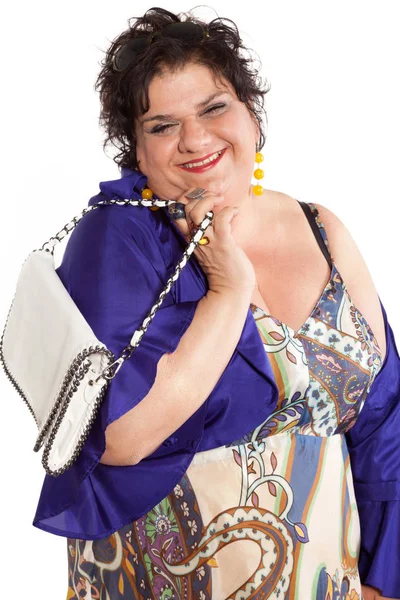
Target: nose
[(194, 137)]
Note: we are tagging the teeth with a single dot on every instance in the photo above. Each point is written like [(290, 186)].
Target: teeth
[(203, 162)]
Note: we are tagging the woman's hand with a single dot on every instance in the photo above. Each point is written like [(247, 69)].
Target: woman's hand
[(224, 263), (371, 593)]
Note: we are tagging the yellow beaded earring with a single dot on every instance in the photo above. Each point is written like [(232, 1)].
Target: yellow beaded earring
[(147, 194), (258, 174)]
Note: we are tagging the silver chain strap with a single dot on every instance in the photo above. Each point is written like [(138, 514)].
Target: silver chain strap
[(139, 333)]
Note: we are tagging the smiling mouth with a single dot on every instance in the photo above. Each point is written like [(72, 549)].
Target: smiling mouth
[(201, 163)]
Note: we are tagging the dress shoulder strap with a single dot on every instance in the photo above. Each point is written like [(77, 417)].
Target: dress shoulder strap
[(312, 214)]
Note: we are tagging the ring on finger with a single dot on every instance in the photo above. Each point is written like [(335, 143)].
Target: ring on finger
[(177, 211), (196, 193), (204, 240)]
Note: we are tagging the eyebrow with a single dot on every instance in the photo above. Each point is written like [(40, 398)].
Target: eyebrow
[(171, 117)]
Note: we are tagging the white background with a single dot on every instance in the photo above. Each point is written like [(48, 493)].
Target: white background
[(333, 138)]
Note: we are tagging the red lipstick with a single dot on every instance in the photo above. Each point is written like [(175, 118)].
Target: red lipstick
[(205, 167)]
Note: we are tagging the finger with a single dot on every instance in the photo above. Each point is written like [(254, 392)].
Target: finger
[(176, 210), (183, 216), (183, 212), (197, 209), (179, 215), (222, 223)]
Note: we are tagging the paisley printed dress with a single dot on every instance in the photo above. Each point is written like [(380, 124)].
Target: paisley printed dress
[(273, 514)]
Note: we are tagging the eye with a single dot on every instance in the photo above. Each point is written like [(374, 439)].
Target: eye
[(215, 107), (161, 128)]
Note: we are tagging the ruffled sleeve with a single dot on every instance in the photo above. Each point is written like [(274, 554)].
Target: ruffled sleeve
[(374, 446), (114, 269)]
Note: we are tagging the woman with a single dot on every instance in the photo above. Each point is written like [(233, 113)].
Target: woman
[(219, 464)]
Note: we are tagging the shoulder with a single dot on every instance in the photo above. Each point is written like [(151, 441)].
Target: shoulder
[(122, 237), (349, 262), (354, 271), (113, 220)]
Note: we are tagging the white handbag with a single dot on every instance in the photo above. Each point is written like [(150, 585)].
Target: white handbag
[(53, 358)]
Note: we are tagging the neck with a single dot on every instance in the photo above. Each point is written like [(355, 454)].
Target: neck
[(247, 224)]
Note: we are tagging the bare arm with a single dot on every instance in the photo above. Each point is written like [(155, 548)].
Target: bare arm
[(184, 380)]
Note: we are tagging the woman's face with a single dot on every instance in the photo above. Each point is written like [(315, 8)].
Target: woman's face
[(193, 116)]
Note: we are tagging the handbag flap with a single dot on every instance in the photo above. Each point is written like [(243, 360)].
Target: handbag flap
[(43, 334)]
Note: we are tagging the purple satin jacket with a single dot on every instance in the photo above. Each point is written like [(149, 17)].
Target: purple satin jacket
[(116, 262)]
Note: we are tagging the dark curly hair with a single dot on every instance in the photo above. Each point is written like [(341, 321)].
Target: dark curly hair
[(124, 95)]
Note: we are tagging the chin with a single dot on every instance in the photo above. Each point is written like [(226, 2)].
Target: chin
[(213, 183)]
